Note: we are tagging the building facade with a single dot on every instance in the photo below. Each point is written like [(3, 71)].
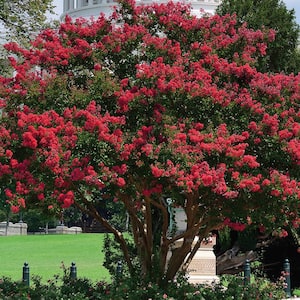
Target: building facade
[(88, 8)]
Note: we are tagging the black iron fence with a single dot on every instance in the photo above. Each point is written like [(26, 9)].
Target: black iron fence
[(286, 273)]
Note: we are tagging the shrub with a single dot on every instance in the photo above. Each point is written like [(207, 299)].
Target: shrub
[(13, 289), (65, 288)]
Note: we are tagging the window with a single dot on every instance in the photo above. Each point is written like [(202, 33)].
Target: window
[(84, 2)]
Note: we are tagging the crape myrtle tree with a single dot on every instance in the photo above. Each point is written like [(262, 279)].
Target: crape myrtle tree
[(149, 104)]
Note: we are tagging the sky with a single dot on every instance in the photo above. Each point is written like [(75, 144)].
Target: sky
[(291, 4), (295, 4)]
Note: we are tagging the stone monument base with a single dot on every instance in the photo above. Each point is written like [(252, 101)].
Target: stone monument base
[(202, 269), (61, 229), (9, 228)]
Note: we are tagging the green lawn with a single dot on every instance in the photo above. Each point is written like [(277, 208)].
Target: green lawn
[(45, 254)]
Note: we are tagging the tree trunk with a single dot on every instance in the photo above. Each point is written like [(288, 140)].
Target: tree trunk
[(178, 257)]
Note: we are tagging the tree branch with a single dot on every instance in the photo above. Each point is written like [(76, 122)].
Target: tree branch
[(91, 210)]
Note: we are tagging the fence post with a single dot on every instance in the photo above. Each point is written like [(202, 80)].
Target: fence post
[(73, 271), (119, 269), (247, 272), (25, 278), (287, 275)]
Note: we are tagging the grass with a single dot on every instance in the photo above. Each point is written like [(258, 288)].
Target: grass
[(45, 254)]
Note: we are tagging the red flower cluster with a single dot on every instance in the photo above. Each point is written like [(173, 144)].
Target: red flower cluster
[(237, 226)]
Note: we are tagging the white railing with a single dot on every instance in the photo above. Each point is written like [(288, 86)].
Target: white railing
[(71, 5), (79, 4)]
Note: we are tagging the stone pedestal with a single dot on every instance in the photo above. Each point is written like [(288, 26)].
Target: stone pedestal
[(61, 229), (202, 268), (13, 228)]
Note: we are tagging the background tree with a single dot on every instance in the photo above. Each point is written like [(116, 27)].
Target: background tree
[(147, 105), (282, 54), (22, 18), (19, 21)]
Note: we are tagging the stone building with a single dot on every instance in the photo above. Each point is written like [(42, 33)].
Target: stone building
[(88, 8)]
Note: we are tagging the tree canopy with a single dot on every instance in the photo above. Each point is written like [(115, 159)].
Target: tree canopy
[(22, 18), (149, 104), (19, 21), (282, 54)]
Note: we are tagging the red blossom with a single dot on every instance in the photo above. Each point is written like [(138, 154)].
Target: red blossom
[(15, 209), (8, 153), (207, 180), (237, 226), (77, 174), (147, 149), (13, 163), (156, 171), (66, 199), (120, 182), (283, 233), (41, 197), (29, 141), (21, 202), (275, 193)]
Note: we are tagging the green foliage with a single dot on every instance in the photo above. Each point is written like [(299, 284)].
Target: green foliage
[(282, 54), (224, 238), (71, 216), (12, 289), (115, 263), (35, 220), (258, 288), (22, 18), (117, 215), (63, 288), (114, 260), (58, 288), (5, 68), (4, 207), (129, 288), (296, 292), (247, 239)]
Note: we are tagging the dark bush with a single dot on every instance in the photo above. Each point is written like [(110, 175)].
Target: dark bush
[(64, 288)]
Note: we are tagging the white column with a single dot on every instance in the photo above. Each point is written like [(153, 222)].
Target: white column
[(66, 5), (71, 4)]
